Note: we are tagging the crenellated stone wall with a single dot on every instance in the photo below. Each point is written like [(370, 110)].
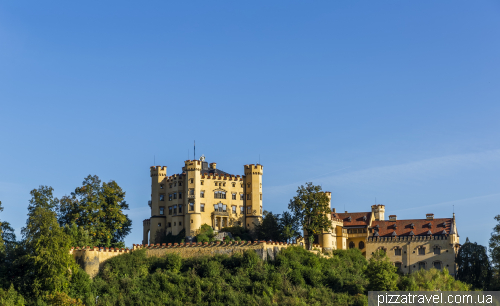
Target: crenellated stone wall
[(92, 259)]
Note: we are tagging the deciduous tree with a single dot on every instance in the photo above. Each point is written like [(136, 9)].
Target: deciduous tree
[(311, 208), (381, 273), (473, 265), (98, 209)]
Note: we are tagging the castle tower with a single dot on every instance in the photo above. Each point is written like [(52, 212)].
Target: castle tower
[(192, 216), (157, 222), (253, 195), (327, 241), (378, 212)]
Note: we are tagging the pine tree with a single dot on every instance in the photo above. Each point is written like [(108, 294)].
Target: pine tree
[(473, 265)]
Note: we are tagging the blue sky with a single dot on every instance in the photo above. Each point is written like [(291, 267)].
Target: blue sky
[(393, 100)]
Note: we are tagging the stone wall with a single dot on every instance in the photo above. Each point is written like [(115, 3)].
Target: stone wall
[(92, 259)]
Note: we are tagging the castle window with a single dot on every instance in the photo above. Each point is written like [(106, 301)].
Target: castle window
[(161, 186), (191, 181), (201, 182), (191, 221), (159, 224), (234, 196), (216, 184), (219, 194), (202, 194), (180, 209), (175, 184), (421, 251), (202, 207), (175, 195), (180, 195), (242, 196), (191, 206), (170, 197), (241, 185), (224, 184), (249, 209), (175, 223), (248, 185), (437, 265), (175, 209), (361, 245), (170, 185), (162, 197), (261, 196), (421, 265), (162, 210), (248, 196), (398, 265), (234, 209), (180, 183), (220, 184), (191, 191), (437, 250), (170, 210), (234, 184), (169, 224), (397, 251), (351, 245), (180, 223), (224, 207), (242, 209)]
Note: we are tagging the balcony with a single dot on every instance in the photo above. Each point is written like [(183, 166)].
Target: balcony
[(221, 213)]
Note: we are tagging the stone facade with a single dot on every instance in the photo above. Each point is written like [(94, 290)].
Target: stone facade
[(202, 194), (411, 244), (92, 259)]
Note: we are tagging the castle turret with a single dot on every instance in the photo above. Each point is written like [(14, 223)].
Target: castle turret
[(327, 237), (253, 195), (157, 220), (378, 212), (192, 216)]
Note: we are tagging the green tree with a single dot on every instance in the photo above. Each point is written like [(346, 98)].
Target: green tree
[(311, 208), (98, 209), (289, 227), (494, 245), (46, 261), (270, 228), (431, 280), (473, 265), (381, 273), (2, 246)]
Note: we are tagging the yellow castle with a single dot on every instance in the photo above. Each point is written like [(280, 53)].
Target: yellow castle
[(411, 244), (202, 194)]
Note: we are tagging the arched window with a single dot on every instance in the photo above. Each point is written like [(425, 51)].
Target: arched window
[(437, 265), (351, 245), (361, 245)]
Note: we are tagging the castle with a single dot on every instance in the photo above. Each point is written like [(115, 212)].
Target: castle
[(411, 244), (202, 194)]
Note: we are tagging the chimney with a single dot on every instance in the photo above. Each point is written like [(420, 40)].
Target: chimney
[(346, 211), (213, 165), (334, 210), (429, 216), (393, 218)]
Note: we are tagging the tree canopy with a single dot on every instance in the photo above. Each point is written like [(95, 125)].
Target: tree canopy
[(97, 208), (473, 265), (311, 207)]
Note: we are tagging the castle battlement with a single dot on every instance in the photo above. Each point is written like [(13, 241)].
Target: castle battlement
[(406, 238)]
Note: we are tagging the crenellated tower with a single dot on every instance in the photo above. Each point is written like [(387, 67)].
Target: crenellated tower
[(253, 195), (157, 221), (192, 215)]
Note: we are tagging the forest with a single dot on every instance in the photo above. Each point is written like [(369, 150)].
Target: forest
[(38, 269)]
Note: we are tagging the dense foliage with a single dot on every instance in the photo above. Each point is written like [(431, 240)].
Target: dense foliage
[(494, 245), (474, 265), (311, 207), (97, 209)]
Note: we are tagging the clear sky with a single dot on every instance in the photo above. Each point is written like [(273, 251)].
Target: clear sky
[(393, 100)]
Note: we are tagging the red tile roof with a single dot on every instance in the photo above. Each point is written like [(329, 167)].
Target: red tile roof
[(356, 218), (421, 227)]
